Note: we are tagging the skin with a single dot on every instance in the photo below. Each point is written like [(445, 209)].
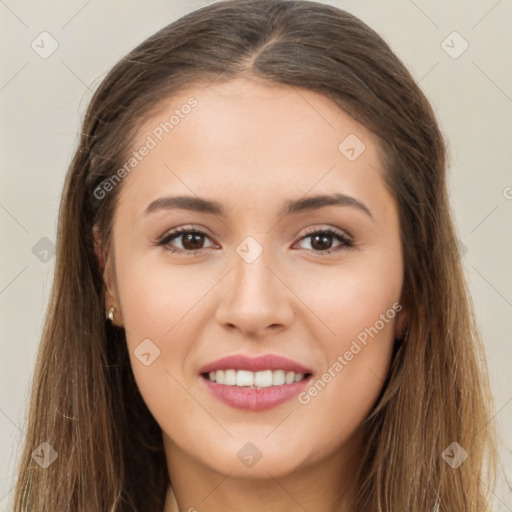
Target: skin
[(251, 146)]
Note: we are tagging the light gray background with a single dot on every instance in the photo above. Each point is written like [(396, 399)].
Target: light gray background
[(43, 100)]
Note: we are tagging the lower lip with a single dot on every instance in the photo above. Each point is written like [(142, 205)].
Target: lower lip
[(255, 399)]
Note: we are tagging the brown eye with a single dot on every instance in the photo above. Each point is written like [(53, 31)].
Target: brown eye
[(321, 241), (191, 240)]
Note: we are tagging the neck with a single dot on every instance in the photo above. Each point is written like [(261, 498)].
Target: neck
[(325, 486)]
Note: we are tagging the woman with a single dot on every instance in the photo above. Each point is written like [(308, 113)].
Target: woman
[(258, 301)]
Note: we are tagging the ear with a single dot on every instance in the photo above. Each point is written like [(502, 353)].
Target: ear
[(98, 248), (105, 263), (402, 322)]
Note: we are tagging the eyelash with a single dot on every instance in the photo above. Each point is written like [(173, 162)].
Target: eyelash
[(167, 238)]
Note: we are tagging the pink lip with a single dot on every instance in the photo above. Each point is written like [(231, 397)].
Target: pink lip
[(255, 364), (255, 399)]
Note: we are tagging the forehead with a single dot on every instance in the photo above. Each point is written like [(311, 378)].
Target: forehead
[(244, 138)]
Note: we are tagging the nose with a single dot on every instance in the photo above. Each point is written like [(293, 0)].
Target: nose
[(254, 299)]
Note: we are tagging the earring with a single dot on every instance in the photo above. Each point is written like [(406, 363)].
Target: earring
[(405, 337), (111, 314)]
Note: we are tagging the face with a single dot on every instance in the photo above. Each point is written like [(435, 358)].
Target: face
[(301, 294)]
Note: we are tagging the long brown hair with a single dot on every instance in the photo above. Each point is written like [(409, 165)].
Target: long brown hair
[(85, 402)]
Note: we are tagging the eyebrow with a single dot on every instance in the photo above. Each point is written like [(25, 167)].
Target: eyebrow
[(198, 204)]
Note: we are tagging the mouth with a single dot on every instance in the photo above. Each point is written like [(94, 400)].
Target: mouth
[(255, 384), (254, 380)]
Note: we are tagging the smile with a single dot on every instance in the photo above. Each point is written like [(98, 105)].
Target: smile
[(262, 379), (255, 384)]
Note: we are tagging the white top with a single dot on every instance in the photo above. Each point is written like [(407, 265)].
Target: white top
[(171, 505)]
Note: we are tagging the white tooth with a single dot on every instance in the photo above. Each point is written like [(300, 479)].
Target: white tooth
[(278, 378), (230, 377), (263, 379), (244, 378)]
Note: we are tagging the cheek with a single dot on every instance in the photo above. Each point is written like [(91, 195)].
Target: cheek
[(157, 304), (156, 298), (352, 296), (359, 304)]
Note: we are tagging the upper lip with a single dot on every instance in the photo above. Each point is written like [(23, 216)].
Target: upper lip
[(255, 364)]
